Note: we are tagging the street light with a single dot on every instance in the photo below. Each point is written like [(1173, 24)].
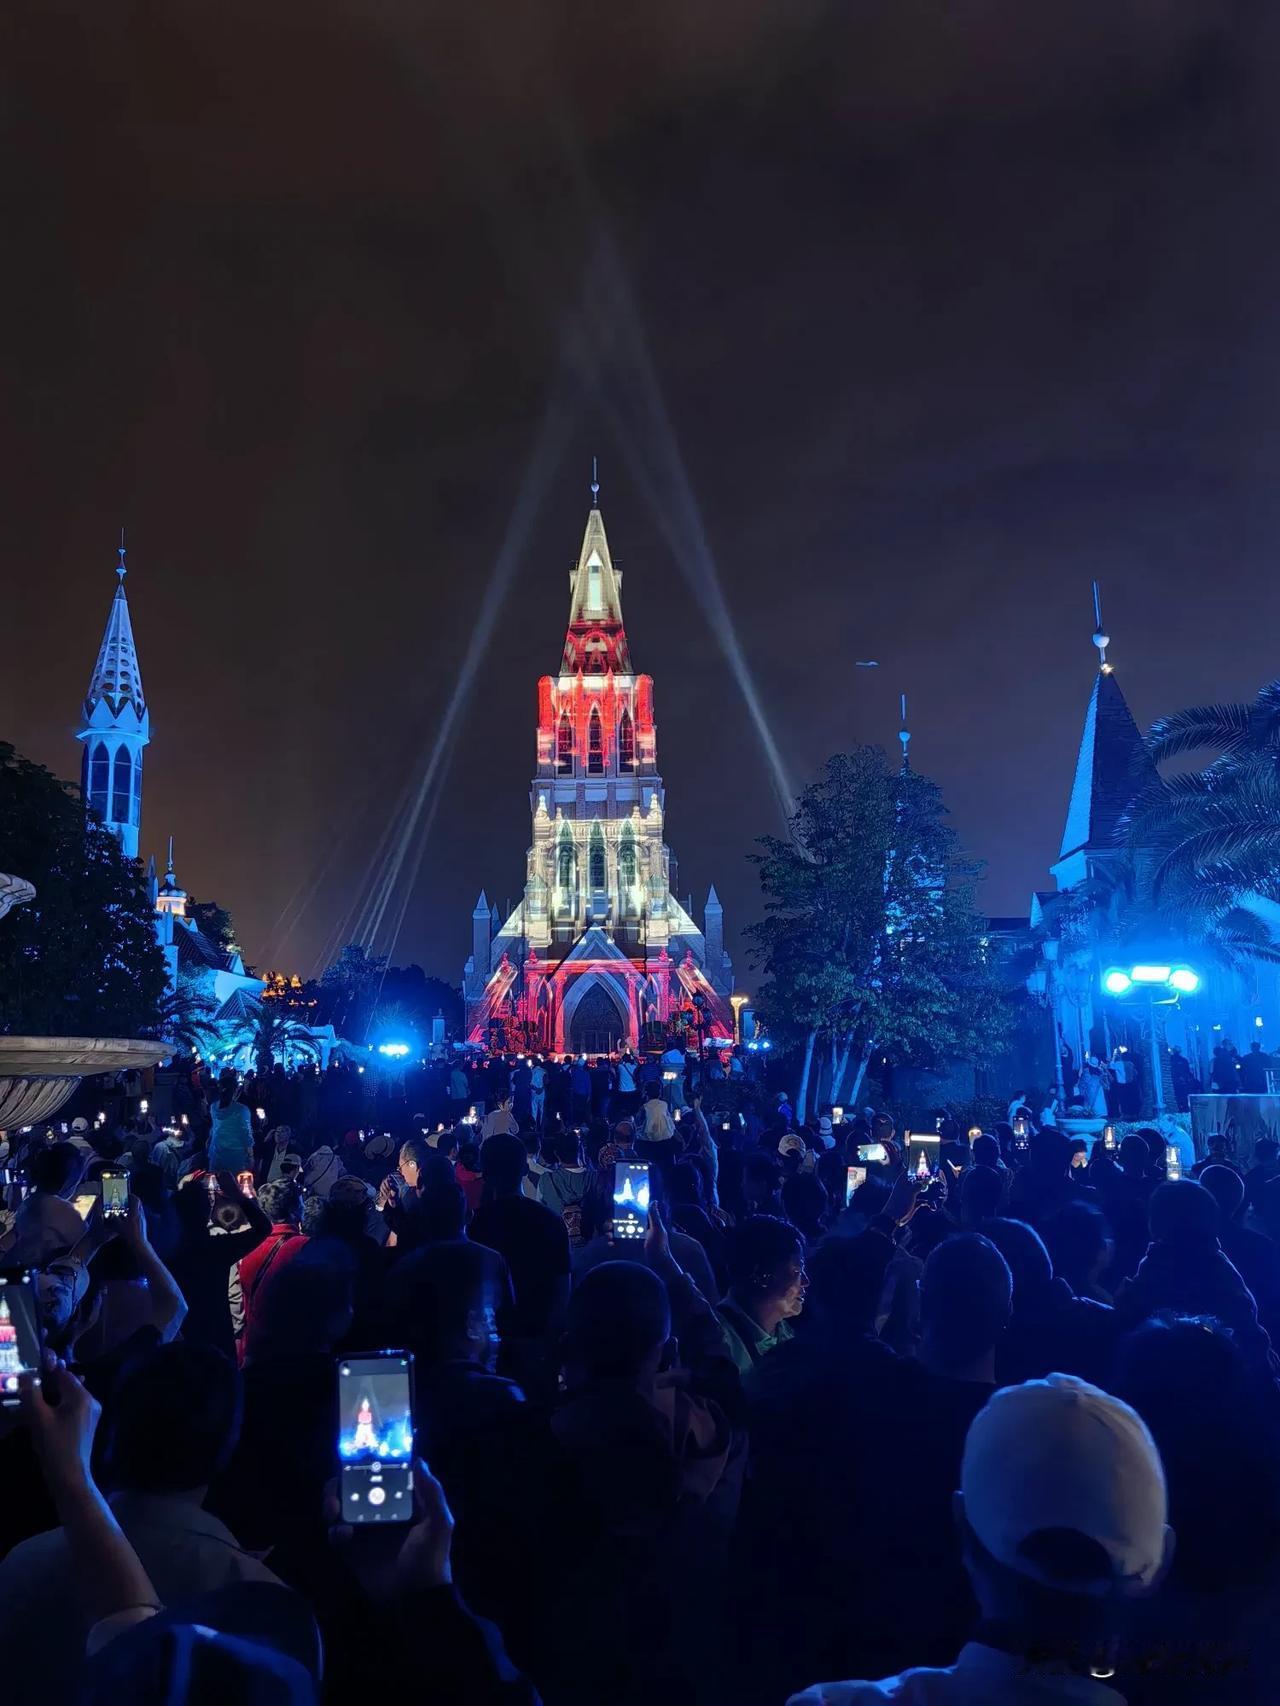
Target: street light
[(1152, 978), (738, 1002)]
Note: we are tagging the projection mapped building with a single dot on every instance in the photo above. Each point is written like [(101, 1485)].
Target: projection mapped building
[(599, 954)]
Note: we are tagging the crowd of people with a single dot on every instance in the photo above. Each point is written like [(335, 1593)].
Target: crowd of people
[(927, 1419)]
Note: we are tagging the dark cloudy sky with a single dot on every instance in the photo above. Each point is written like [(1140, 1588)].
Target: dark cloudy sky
[(904, 319)]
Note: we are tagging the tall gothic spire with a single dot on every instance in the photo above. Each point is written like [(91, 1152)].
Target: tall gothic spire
[(596, 642), (116, 678), (115, 724), (1112, 766)]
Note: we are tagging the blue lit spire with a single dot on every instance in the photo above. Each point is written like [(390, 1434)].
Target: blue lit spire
[(115, 724), (904, 735)]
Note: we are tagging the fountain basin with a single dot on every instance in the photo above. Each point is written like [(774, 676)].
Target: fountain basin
[(39, 1074)]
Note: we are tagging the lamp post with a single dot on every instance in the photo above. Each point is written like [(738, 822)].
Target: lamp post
[(738, 1002), (1151, 978)]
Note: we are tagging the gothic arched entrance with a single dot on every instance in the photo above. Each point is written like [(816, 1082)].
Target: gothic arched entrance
[(598, 1024)]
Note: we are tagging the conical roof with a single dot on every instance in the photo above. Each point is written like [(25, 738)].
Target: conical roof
[(1111, 768)]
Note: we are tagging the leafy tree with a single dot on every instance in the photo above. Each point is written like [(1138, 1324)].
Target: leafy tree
[(419, 998), (870, 940), (350, 988), (213, 921), (82, 959), (274, 1034)]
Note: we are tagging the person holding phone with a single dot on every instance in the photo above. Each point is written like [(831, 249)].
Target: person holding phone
[(215, 1232), (231, 1139)]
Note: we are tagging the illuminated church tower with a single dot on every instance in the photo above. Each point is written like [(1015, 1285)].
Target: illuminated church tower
[(599, 954), (115, 726)]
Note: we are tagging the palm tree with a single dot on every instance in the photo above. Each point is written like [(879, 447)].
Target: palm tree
[(273, 1034), (185, 1020), (1211, 837)]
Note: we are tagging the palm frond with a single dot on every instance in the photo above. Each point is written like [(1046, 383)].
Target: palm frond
[(1225, 726)]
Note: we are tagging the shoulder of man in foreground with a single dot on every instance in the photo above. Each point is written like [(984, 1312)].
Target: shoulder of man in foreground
[(911, 1688)]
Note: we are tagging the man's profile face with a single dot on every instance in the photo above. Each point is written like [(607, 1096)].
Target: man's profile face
[(408, 1169), (792, 1282)]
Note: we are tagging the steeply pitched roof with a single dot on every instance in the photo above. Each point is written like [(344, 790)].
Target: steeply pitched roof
[(595, 607), (196, 950), (1111, 768), (116, 679)]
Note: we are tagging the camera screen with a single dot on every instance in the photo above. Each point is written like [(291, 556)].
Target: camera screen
[(19, 1332), (115, 1193), (872, 1152), (630, 1199), (375, 1439), (855, 1178)]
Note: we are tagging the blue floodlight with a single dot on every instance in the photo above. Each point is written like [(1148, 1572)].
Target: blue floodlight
[(1184, 980), (1151, 974), (766, 1043), (1117, 982), (394, 1051)]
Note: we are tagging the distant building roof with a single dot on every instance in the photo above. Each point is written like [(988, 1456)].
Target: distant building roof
[(195, 949), (239, 1007), (1111, 768)]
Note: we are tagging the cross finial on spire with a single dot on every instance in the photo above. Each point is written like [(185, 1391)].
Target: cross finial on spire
[(904, 734), (121, 567), (1101, 638), (169, 869), (595, 485)]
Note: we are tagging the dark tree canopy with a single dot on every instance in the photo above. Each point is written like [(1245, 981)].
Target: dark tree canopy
[(82, 958)]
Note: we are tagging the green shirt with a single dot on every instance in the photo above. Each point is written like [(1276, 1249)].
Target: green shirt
[(746, 1338)]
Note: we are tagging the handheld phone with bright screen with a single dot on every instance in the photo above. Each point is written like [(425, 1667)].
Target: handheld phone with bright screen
[(19, 1331), (855, 1178), (872, 1152), (375, 1436), (115, 1195), (1172, 1161), (630, 1199)]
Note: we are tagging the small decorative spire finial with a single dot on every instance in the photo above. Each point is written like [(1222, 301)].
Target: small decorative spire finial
[(121, 567), (904, 734), (169, 871), (1101, 638), (595, 485)]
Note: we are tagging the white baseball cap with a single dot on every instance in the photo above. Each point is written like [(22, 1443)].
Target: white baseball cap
[(1061, 1454)]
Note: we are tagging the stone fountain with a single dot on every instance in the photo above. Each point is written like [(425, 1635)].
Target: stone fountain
[(38, 1074)]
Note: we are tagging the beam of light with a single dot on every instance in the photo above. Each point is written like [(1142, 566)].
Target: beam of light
[(402, 859), (664, 479)]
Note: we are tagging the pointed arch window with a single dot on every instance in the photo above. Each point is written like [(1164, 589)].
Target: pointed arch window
[(626, 743), (566, 862), (122, 787), (596, 859), (564, 745), (595, 593), (136, 814), (595, 744), (626, 862), (99, 779)]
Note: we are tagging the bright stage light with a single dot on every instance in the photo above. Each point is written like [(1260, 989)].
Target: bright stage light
[(1184, 980), (394, 1051), (1151, 974), (1116, 982)]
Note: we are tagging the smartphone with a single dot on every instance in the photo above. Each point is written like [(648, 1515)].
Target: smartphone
[(1172, 1161), (375, 1436), (630, 1199), (854, 1179), (19, 1331), (115, 1195), (872, 1152), (1108, 1137), (83, 1203), (837, 1115)]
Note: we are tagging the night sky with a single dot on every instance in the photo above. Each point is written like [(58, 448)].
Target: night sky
[(905, 319)]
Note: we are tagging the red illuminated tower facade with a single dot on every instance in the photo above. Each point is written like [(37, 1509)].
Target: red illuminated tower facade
[(599, 954)]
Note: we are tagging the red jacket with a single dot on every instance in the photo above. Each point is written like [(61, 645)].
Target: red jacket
[(258, 1269)]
